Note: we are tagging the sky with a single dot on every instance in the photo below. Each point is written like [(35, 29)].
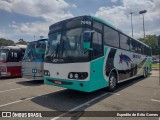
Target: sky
[(30, 19)]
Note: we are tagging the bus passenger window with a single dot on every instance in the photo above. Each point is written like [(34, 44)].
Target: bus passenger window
[(124, 42), (133, 46), (97, 45), (15, 54), (97, 25), (111, 37)]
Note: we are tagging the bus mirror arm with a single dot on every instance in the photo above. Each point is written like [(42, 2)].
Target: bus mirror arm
[(87, 36), (87, 49)]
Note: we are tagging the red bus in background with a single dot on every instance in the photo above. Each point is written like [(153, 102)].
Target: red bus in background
[(11, 60)]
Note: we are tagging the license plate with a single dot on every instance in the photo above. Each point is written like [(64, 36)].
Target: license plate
[(57, 82)]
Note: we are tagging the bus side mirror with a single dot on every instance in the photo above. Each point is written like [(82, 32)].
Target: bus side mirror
[(41, 47), (87, 35)]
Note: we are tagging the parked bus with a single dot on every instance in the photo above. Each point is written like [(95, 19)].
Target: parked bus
[(32, 63), (87, 53), (11, 60)]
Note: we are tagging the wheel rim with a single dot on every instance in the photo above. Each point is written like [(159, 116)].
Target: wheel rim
[(112, 81), (144, 73)]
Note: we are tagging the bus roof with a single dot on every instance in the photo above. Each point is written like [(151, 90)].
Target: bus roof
[(34, 42), (14, 47), (38, 40), (21, 46), (110, 25), (101, 21)]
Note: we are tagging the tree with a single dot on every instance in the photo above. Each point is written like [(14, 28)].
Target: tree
[(151, 40), (22, 42), (5, 42)]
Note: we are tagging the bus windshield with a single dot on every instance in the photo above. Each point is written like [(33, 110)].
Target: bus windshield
[(3, 55), (30, 53), (67, 46)]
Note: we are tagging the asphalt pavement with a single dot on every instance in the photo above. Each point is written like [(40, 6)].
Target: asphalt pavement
[(18, 94)]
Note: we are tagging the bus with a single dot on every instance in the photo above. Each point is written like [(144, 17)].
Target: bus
[(11, 60), (32, 63), (86, 53)]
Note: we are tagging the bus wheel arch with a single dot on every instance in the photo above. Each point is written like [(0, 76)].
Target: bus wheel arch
[(113, 80)]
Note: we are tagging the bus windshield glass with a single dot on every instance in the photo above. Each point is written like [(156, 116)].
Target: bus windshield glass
[(67, 46), (41, 46), (3, 55), (30, 53)]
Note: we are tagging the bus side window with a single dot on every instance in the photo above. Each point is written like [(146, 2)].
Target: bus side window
[(97, 45), (139, 48), (10, 56), (97, 25), (133, 45), (124, 42), (142, 49), (13, 56), (111, 37)]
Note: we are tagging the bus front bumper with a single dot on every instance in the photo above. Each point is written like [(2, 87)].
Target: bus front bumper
[(32, 76)]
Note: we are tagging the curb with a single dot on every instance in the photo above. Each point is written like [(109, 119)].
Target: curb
[(155, 69)]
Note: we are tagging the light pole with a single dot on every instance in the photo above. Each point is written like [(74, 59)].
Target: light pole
[(142, 12), (159, 56), (131, 22)]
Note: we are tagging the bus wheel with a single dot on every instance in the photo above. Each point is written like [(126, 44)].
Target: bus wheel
[(147, 72), (112, 82), (144, 73)]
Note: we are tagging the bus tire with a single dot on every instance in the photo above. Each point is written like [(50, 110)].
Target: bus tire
[(144, 73), (147, 72), (112, 82)]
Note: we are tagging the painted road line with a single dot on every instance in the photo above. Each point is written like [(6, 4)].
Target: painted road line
[(114, 93), (86, 103), (155, 100), (27, 98), (13, 89), (7, 83), (15, 102), (156, 92)]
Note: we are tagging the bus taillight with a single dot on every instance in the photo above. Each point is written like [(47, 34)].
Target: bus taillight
[(39, 70)]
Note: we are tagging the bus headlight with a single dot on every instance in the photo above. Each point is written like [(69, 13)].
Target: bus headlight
[(39, 70), (71, 75), (46, 73), (78, 75)]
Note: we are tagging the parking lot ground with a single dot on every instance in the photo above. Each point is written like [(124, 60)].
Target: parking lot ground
[(134, 95), (155, 73)]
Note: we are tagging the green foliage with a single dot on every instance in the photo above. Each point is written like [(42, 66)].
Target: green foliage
[(155, 65), (22, 42), (5, 42), (151, 40)]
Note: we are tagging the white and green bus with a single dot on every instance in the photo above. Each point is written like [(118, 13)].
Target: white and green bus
[(86, 54)]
